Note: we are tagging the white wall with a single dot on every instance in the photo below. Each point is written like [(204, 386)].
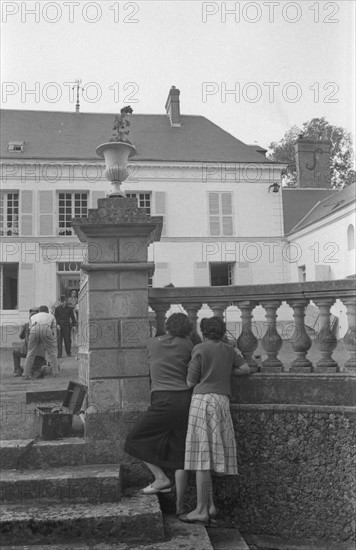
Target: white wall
[(323, 248)]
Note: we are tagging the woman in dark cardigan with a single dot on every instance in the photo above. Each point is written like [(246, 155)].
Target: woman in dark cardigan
[(158, 438)]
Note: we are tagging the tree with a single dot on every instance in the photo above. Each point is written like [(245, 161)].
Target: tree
[(341, 152)]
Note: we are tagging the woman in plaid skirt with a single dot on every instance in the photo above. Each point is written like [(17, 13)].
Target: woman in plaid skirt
[(210, 443)]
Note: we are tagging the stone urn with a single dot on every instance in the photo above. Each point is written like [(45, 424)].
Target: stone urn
[(116, 155)]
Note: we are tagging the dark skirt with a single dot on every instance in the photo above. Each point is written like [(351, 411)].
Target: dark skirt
[(159, 435)]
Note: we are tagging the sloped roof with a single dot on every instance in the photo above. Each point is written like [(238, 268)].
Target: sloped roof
[(323, 205), (75, 136)]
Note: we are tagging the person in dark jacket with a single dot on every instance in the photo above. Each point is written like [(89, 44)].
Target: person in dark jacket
[(65, 318)]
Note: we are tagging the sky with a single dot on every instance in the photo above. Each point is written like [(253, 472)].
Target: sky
[(254, 68)]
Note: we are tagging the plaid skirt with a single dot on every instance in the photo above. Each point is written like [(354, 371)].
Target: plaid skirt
[(210, 443)]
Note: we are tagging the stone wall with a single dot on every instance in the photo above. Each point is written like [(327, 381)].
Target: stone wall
[(296, 465)]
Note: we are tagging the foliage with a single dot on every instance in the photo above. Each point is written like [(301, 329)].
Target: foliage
[(341, 153), (122, 125)]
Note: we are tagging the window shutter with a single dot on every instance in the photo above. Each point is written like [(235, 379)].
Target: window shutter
[(214, 211), (95, 196), (160, 209), (46, 213), (26, 286), (201, 274), (161, 276), (226, 210), (26, 228)]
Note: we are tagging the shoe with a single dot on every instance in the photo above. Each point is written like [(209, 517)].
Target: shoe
[(186, 510), (26, 377), (149, 490), (184, 518)]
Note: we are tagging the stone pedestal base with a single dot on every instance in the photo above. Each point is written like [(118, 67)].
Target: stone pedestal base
[(300, 368), (326, 370), (272, 369)]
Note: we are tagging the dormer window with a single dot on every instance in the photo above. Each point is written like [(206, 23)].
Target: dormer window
[(16, 146)]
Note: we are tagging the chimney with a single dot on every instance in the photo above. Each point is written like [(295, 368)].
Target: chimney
[(313, 163), (172, 106)]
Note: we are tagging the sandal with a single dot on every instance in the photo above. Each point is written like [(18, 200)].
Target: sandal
[(184, 518), (149, 490)]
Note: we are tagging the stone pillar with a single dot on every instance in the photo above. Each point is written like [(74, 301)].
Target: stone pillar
[(218, 308), (326, 339), (192, 312), (271, 341), (300, 340), (350, 336), (247, 341), (160, 311), (114, 360)]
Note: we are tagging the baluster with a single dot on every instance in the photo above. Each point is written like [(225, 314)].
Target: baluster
[(218, 308), (326, 339), (301, 342), (271, 342), (192, 312), (350, 336), (160, 311), (247, 341)]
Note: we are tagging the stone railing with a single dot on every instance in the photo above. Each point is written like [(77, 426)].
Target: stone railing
[(271, 297)]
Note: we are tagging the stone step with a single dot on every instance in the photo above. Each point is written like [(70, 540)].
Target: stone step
[(24, 453), (226, 539), (135, 519), (178, 536), (92, 483)]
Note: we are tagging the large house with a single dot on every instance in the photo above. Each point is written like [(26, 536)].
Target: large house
[(226, 220)]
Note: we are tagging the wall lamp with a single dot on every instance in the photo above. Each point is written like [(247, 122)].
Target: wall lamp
[(275, 187)]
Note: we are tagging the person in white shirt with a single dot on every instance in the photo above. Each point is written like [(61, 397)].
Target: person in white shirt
[(43, 330)]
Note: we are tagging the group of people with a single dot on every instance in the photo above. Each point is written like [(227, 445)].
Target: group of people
[(188, 426), (43, 334)]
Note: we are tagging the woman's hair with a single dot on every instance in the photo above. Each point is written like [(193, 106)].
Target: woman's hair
[(213, 328), (179, 325)]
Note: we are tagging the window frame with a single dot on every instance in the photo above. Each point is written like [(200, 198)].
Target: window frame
[(4, 211), (220, 215), (136, 194), (67, 230)]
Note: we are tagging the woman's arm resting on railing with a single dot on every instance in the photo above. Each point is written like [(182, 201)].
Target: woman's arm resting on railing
[(243, 370), (240, 367)]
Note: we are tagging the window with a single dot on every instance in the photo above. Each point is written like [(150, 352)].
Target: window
[(68, 277), (221, 274), (302, 274), (9, 214), (220, 214), (143, 201), (350, 237), (15, 146), (70, 205), (9, 274)]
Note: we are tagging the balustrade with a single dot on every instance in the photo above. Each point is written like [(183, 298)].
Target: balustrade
[(350, 336), (300, 340), (247, 341), (270, 297)]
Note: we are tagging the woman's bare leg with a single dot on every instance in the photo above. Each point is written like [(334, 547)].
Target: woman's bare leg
[(181, 477), (204, 496), (161, 480)]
